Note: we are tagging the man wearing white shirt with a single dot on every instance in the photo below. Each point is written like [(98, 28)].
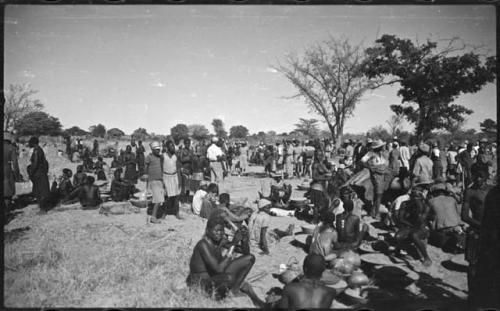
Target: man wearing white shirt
[(214, 155)]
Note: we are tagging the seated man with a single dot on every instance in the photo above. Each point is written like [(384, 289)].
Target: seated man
[(411, 219), (212, 271), (258, 225), (79, 176), (446, 227), (324, 236), (280, 192), (88, 194), (209, 201), (121, 190), (309, 292), (349, 228), (198, 199)]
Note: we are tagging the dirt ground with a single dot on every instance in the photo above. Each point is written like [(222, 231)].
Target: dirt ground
[(73, 246)]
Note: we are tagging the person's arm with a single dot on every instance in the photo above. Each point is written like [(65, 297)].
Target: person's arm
[(35, 161), (211, 261), (284, 303), (233, 217), (263, 240), (465, 215), (400, 217)]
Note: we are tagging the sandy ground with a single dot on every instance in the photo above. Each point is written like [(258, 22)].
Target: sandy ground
[(435, 282)]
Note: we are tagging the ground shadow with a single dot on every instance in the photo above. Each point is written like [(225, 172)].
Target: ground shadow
[(450, 265), (255, 174)]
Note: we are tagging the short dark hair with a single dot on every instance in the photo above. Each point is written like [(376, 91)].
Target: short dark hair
[(314, 266), (67, 171), (34, 140), (213, 188), (348, 205), (224, 198)]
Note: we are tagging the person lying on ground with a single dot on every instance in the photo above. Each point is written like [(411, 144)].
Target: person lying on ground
[(121, 190), (446, 230), (411, 221), (79, 176), (309, 292), (350, 230), (209, 201), (217, 275), (88, 194)]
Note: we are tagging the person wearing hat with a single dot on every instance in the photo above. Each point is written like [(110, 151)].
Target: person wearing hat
[(215, 156), (378, 167), (9, 169), (446, 231), (259, 223), (423, 167), (465, 160), (472, 214), (37, 171), (309, 292), (153, 167)]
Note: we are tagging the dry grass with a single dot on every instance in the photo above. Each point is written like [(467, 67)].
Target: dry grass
[(79, 259)]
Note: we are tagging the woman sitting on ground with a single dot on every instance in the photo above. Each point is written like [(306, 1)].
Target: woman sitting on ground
[(121, 190), (88, 194), (216, 274)]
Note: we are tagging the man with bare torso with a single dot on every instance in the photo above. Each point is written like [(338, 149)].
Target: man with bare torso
[(309, 292)]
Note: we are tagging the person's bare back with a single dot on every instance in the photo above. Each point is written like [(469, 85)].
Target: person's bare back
[(307, 294)]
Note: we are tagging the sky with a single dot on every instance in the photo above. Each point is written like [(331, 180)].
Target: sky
[(157, 66)]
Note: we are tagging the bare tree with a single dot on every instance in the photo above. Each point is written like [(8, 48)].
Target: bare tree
[(330, 79), (308, 127), (18, 103), (395, 123)]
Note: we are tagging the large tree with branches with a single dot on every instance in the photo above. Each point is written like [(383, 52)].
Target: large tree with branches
[(18, 103), (330, 79), (430, 78)]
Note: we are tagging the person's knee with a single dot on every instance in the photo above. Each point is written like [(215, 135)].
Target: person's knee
[(251, 258)]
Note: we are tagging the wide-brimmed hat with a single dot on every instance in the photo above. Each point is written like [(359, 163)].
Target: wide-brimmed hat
[(263, 203), (8, 136), (215, 139), (424, 148), (378, 144), (155, 145), (317, 186)]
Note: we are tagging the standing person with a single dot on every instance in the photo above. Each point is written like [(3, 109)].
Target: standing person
[(297, 158), (154, 170), (289, 160), (130, 165), (139, 153), (465, 159), (9, 164), (37, 171), (394, 163), (451, 160), (437, 165), (69, 151), (95, 149), (377, 165), (244, 157), (268, 160), (320, 172), (172, 179), (186, 157), (404, 157), (472, 214), (423, 167), (215, 155)]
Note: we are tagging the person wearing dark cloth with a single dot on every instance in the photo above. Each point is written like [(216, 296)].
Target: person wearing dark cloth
[(130, 165), (359, 152), (268, 159), (350, 230), (437, 167), (473, 204), (466, 161), (121, 190), (88, 194), (65, 186), (484, 294), (411, 219), (340, 177), (69, 151), (310, 292), (186, 157), (319, 200), (9, 164), (88, 165), (446, 231), (116, 163), (37, 172), (99, 169), (394, 163), (208, 204), (320, 171), (139, 152), (95, 148), (154, 170), (208, 268), (79, 176)]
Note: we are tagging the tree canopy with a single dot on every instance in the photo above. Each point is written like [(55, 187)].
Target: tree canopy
[(98, 130), (115, 133), (238, 131), (38, 123), (75, 131), (18, 103), (140, 134), (178, 132), (198, 131), (429, 79), (329, 78), (219, 129)]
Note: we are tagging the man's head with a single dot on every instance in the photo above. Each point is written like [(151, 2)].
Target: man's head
[(67, 173), (212, 188), (170, 147), (224, 198), (118, 173), (128, 149), (314, 266), (99, 159), (479, 177), (155, 147), (215, 228), (319, 155), (345, 193), (187, 143), (327, 217), (424, 148), (79, 168), (89, 180), (33, 141)]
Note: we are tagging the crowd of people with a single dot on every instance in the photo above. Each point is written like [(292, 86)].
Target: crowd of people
[(423, 192)]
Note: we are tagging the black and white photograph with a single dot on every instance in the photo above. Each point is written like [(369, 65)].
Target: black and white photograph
[(251, 155)]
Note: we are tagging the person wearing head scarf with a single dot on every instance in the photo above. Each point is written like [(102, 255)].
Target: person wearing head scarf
[(38, 173), (215, 273)]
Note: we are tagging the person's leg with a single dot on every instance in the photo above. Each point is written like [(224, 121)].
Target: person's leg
[(175, 207), (418, 236), (239, 269), (400, 236)]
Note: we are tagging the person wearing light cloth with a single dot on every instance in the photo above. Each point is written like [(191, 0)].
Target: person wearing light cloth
[(258, 225), (214, 155), (378, 167), (198, 199), (423, 167), (172, 179), (9, 164), (243, 157), (154, 170)]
